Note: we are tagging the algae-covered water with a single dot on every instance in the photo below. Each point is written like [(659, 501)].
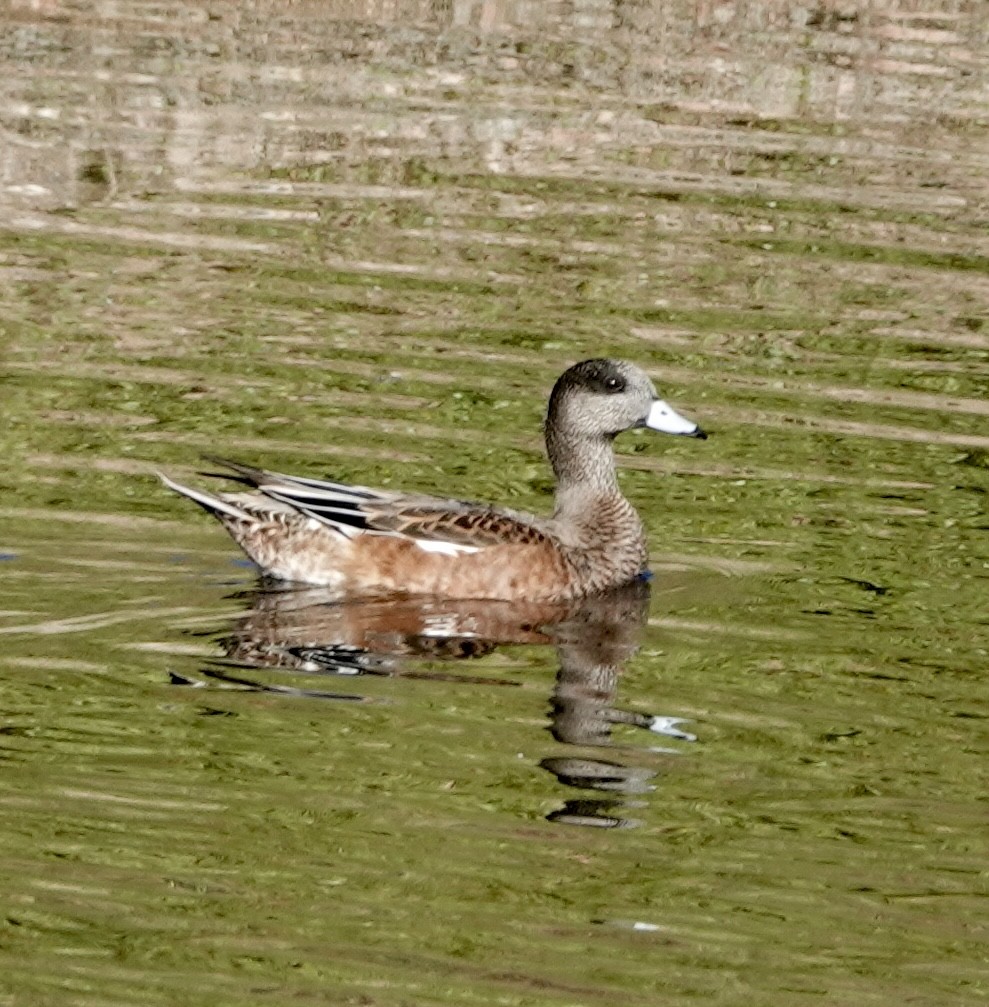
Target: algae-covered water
[(361, 240)]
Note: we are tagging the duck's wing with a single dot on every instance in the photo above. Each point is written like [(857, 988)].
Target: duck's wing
[(458, 524)]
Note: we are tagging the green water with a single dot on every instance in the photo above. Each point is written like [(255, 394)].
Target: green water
[(363, 245)]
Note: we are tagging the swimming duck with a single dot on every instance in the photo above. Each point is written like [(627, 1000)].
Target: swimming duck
[(362, 542)]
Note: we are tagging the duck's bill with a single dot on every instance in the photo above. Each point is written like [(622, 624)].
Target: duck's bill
[(667, 420)]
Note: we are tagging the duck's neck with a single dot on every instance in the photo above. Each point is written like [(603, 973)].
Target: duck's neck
[(584, 468), (597, 529)]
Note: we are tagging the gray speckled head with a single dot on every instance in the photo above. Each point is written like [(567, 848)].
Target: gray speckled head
[(594, 401), (600, 398)]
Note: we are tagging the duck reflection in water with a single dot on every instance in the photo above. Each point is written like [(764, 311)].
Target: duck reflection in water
[(307, 631)]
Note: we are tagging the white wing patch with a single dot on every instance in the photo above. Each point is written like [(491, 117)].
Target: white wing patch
[(444, 548), (447, 625)]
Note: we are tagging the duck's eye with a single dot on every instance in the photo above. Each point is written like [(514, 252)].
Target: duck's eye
[(614, 384)]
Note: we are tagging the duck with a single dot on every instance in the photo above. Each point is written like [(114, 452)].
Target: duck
[(358, 542)]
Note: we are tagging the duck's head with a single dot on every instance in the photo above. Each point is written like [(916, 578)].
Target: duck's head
[(601, 398)]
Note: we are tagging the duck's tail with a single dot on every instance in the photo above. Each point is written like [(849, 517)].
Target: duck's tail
[(208, 501)]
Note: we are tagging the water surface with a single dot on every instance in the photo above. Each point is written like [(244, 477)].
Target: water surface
[(362, 240)]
